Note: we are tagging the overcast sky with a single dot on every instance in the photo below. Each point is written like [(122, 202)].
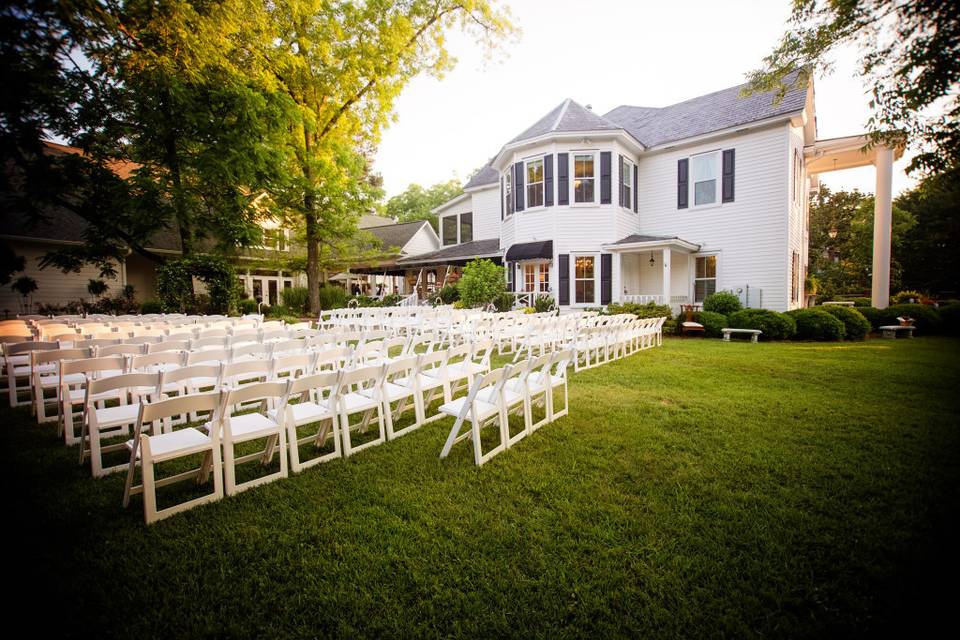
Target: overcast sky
[(604, 53)]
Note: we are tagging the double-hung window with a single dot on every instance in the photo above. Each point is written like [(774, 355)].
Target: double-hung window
[(449, 230), (584, 271), (508, 191), (457, 228), (584, 177), (535, 183), (626, 179), (705, 281), (705, 177)]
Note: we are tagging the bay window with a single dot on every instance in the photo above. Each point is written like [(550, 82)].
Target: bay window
[(535, 183), (584, 177), (626, 183), (508, 192)]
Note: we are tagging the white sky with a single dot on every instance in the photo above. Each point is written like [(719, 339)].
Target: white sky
[(604, 53)]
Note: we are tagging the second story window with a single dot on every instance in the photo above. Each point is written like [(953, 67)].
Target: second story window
[(704, 174), (508, 192), (626, 183), (449, 230), (274, 239), (466, 227), (584, 177), (457, 228), (535, 183)]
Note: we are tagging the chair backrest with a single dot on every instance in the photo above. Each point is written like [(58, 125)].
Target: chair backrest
[(216, 342), (208, 356), (290, 347), (93, 365), (294, 365), (57, 355), (363, 377), (139, 381), (97, 342), (234, 373), (216, 332), (252, 392), (202, 371), (120, 350), (256, 351), (404, 366), (491, 380), (432, 360), (145, 339), (168, 345), (321, 384), (334, 358), (482, 351), (159, 413), (147, 360), (16, 348)]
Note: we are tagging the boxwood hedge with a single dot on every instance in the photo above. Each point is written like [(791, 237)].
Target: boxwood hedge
[(817, 324), (775, 326), (855, 324)]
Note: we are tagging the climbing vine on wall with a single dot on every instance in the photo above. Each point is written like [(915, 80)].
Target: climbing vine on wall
[(175, 284)]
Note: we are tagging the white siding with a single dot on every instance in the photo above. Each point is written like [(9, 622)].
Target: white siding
[(423, 241), (749, 235), (486, 212), (53, 286)]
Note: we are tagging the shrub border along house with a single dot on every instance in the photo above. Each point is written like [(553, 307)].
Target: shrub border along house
[(773, 324), (817, 324), (855, 324)]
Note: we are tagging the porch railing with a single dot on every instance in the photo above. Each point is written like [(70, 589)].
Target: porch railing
[(643, 298)]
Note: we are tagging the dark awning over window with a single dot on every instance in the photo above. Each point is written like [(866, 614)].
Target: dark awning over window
[(530, 251)]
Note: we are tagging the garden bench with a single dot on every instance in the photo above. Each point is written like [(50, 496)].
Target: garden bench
[(754, 333), (890, 331), (840, 304)]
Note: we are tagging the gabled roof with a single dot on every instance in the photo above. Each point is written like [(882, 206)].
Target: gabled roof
[(397, 235), (368, 220), (705, 114), (486, 175), (567, 116), (457, 253)]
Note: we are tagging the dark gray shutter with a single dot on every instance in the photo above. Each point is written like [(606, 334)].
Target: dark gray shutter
[(563, 277), (636, 199), (606, 160), (548, 180), (563, 184), (606, 278), (683, 188), (518, 186), (502, 197), (620, 182), (510, 274), (728, 170)]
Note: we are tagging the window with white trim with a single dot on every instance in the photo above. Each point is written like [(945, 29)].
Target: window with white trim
[(534, 183), (796, 186), (274, 239), (448, 226), (536, 277), (584, 276), (584, 178), (626, 179), (508, 192), (705, 178), (795, 277), (705, 279), (456, 228)]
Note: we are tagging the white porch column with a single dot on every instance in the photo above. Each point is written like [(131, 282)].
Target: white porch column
[(667, 275), (882, 225), (616, 278), (248, 283)]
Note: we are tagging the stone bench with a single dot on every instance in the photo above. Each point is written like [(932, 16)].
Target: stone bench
[(754, 333), (891, 331), (839, 304)]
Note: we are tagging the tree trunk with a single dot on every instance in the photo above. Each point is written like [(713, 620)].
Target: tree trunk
[(313, 257)]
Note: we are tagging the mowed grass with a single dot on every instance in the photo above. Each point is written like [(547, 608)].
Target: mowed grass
[(698, 489)]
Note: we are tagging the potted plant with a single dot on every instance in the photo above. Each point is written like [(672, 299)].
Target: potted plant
[(905, 321)]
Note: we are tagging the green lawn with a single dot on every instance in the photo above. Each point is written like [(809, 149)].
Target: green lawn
[(699, 489)]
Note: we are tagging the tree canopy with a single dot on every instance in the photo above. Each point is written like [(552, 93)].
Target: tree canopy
[(928, 252), (909, 59), (417, 203)]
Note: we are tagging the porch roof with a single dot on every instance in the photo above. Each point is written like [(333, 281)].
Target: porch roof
[(637, 241), (456, 254), (834, 154)]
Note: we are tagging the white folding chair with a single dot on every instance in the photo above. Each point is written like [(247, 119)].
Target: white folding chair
[(104, 423), (45, 372), (261, 424), (315, 407), (16, 364), (479, 413), (405, 368), (556, 373), (73, 392), (166, 444), (358, 391)]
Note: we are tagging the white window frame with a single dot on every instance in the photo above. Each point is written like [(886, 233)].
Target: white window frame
[(282, 238), (508, 193), (459, 228), (694, 278), (573, 178), (797, 177), (630, 168), (718, 181), (573, 279), (527, 184), (538, 268)]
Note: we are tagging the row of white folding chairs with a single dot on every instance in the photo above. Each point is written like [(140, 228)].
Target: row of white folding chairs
[(517, 388), (598, 344), (328, 400)]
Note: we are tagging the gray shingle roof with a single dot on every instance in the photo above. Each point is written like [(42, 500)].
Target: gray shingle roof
[(639, 237), (396, 235), (704, 114), (567, 116), (456, 253), (486, 175), (65, 226)]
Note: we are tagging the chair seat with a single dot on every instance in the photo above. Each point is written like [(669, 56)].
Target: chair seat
[(251, 425), (306, 412), (536, 380), (354, 402), (119, 415), (396, 392), (483, 409), (465, 369), (510, 396), (426, 382), (175, 443), (197, 383), (77, 395), (54, 380), (691, 325)]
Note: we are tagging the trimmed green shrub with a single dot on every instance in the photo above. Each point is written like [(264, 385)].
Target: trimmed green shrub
[(905, 297), (862, 302), (332, 297), (817, 324), (722, 302), (926, 318), (277, 311), (449, 293), (671, 327), (503, 302), (175, 284), (391, 300), (712, 323), (872, 315), (542, 304), (151, 306), (482, 282), (649, 310), (855, 324), (950, 318), (297, 298), (775, 326)]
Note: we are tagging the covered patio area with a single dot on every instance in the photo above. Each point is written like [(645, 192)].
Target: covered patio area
[(657, 269)]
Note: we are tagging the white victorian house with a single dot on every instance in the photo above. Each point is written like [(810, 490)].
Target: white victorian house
[(660, 204)]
